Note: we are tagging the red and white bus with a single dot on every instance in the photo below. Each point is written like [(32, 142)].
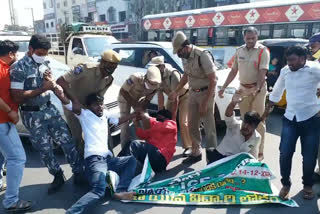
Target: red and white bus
[(223, 26)]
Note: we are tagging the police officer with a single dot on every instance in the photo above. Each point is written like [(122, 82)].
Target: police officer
[(137, 92), (200, 74), (252, 61), (170, 80), (30, 86), (85, 79)]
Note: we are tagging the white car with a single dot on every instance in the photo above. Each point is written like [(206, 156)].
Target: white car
[(135, 59), (59, 69)]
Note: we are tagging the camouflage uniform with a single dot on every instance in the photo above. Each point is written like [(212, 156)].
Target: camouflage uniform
[(46, 124)]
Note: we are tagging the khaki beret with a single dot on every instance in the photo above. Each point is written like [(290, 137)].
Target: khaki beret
[(178, 40), (153, 74), (111, 56), (158, 60)]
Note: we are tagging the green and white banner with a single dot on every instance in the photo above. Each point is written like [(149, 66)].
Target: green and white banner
[(238, 179)]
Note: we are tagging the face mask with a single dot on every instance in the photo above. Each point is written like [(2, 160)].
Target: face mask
[(317, 54), (38, 59)]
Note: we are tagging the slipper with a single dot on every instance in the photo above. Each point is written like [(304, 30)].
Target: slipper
[(284, 193), (307, 194), (21, 205)]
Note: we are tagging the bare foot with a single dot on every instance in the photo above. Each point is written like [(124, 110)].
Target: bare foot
[(124, 195), (260, 157)]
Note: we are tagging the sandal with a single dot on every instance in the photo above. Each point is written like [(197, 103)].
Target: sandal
[(308, 194), (21, 205), (284, 193), (3, 187)]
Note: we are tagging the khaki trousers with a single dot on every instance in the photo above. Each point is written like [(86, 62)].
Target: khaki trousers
[(125, 131), (183, 120), (257, 103), (194, 102), (76, 130)]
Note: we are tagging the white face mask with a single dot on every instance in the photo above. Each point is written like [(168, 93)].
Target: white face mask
[(38, 59)]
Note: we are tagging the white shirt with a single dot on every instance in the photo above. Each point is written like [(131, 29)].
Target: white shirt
[(301, 87), (95, 131), (234, 142)]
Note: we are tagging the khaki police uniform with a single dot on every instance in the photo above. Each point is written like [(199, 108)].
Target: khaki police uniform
[(246, 61), (85, 79), (198, 84), (135, 86), (170, 80)]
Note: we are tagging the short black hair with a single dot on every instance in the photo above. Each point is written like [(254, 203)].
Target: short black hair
[(166, 113), (39, 42), (93, 98), (250, 29), (297, 50), (252, 118), (8, 46), (151, 52)]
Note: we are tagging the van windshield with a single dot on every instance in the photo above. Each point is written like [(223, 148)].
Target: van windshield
[(95, 46)]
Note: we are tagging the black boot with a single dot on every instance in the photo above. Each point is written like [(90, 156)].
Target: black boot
[(57, 182)]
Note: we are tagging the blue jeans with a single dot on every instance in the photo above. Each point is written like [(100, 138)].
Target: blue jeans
[(96, 169), (141, 149), (308, 131), (13, 151)]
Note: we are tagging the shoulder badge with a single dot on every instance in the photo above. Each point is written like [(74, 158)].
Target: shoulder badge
[(77, 70)]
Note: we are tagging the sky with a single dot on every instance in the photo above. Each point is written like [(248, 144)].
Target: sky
[(23, 14)]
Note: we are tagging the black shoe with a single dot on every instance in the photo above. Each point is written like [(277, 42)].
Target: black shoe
[(57, 182), (187, 152), (4, 171), (192, 159)]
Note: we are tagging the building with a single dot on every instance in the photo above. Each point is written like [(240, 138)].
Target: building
[(58, 12)]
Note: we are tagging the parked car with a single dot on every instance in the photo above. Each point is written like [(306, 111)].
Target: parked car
[(135, 58), (59, 69)]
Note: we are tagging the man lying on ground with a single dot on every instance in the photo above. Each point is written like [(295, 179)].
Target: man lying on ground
[(240, 136), (98, 158)]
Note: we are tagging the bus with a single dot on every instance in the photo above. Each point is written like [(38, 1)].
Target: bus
[(223, 26)]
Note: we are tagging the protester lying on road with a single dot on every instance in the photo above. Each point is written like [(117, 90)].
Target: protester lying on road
[(240, 136), (98, 158)]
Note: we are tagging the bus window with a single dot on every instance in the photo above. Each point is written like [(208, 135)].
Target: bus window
[(152, 36), (221, 36), (162, 36), (279, 31), (264, 32), (297, 31), (202, 36), (235, 37), (315, 28)]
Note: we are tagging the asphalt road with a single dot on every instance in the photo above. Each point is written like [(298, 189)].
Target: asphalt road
[(36, 180)]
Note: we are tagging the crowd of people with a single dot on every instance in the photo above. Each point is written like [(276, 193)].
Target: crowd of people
[(25, 86)]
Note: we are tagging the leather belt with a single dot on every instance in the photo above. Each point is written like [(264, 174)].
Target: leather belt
[(35, 108), (200, 89), (249, 85)]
